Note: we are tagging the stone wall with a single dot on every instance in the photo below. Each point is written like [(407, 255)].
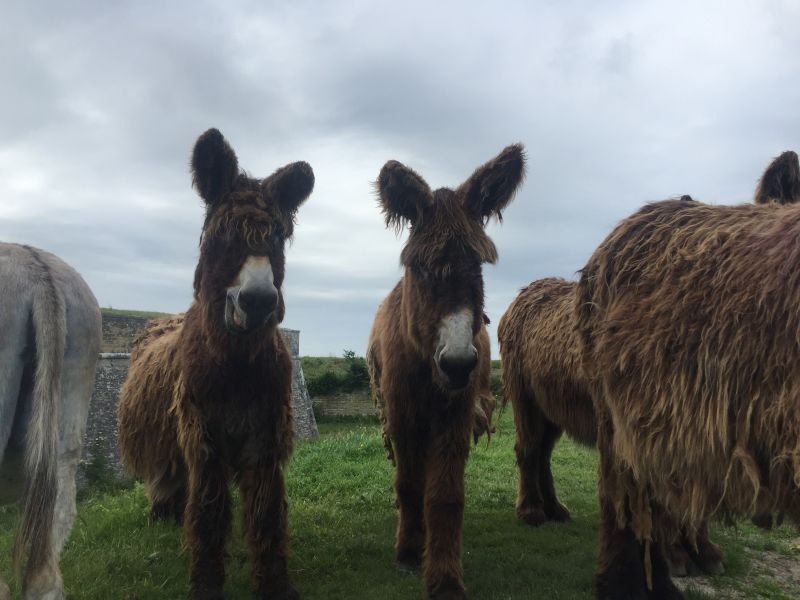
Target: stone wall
[(100, 448), (119, 331), (350, 404)]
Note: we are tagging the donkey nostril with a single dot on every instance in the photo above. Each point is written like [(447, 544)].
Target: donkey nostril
[(458, 367), (257, 300)]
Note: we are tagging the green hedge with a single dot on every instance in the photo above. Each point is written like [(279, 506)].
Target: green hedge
[(350, 377), (325, 376)]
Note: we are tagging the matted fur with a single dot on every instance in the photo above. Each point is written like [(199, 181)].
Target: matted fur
[(203, 404), (687, 318), (781, 180), (542, 379), (427, 425)]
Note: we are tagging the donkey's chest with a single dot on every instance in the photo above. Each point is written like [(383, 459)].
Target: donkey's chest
[(244, 433)]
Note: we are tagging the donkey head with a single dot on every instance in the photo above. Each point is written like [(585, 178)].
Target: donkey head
[(447, 244), (240, 272), (781, 181)]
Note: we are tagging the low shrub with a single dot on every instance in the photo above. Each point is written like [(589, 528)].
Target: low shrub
[(353, 376)]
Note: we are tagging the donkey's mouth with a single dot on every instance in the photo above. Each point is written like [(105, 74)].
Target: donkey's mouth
[(235, 321), (241, 322)]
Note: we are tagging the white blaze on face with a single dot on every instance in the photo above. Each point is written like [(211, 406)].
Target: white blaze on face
[(255, 270), (455, 334), (256, 273)]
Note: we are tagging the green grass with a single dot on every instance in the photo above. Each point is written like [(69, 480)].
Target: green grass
[(342, 521), (315, 366), (134, 313)]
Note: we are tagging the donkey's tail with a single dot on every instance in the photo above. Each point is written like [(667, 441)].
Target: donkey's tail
[(49, 327)]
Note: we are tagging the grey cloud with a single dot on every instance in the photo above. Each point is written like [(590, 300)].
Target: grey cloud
[(617, 105)]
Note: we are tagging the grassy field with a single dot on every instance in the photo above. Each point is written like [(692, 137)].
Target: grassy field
[(342, 521)]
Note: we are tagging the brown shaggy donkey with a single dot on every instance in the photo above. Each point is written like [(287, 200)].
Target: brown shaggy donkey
[(207, 397), (687, 317), (428, 355), (541, 379)]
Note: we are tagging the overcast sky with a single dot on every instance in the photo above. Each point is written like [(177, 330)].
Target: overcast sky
[(617, 103)]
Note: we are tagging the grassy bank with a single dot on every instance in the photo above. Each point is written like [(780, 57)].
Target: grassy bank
[(342, 521), (151, 314)]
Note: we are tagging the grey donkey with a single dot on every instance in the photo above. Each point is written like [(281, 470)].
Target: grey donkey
[(50, 330)]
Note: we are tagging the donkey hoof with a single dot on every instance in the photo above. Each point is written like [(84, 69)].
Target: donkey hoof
[(5, 593), (609, 586), (206, 594), (450, 595), (678, 569), (285, 594), (407, 566), (558, 512), (531, 515), (763, 520), (408, 560), (453, 591), (669, 592), (44, 585), (715, 567), (678, 560)]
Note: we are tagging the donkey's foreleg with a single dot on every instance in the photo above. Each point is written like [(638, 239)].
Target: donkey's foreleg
[(444, 516), (409, 455), (265, 527), (207, 526), (706, 555)]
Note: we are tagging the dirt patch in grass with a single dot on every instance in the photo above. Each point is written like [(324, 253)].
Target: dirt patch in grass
[(769, 573)]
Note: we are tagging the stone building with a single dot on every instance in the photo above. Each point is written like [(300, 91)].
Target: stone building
[(101, 450)]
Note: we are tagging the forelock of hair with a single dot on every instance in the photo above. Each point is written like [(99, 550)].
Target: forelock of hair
[(254, 225), (446, 222)]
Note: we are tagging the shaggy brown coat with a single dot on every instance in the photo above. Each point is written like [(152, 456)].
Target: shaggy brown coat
[(427, 424), (204, 403), (687, 320), (542, 380), (781, 180)]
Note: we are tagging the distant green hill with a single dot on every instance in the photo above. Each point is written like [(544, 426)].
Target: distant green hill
[(134, 313)]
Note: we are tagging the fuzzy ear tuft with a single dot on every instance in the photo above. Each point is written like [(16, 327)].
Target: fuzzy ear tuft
[(491, 187), (781, 181), (403, 194), (289, 186), (214, 166)]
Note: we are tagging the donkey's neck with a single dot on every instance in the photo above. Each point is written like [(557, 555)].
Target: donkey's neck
[(225, 348)]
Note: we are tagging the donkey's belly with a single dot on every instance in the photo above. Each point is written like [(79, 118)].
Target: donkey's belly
[(12, 476)]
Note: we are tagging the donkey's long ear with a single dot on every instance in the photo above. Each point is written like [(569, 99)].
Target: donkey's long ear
[(781, 181), (492, 186), (403, 194), (214, 166), (289, 186)]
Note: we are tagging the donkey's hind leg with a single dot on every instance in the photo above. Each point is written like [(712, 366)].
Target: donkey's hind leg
[(11, 367), (553, 509), (167, 495), (530, 424), (42, 578)]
